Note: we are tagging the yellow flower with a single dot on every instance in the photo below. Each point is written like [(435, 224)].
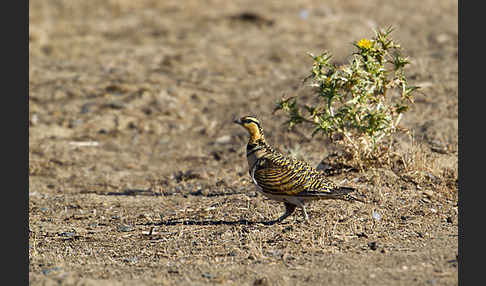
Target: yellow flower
[(365, 44)]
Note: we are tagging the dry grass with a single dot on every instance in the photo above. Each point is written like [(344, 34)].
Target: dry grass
[(163, 197)]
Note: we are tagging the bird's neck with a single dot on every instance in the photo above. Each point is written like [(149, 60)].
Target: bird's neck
[(257, 140), (256, 135), (256, 145), (255, 150)]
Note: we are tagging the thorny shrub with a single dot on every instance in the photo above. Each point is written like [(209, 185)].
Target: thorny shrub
[(358, 104)]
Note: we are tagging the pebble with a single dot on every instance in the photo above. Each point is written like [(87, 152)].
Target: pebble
[(93, 224), (304, 14), (223, 139), (130, 260), (428, 193), (34, 119), (67, 234), (373, 245), (442, 38), (46, 271), (376, 215), (207, 275), (261, 282), (125, 228)]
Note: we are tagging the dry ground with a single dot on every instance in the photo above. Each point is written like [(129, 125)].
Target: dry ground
[(162, 195)]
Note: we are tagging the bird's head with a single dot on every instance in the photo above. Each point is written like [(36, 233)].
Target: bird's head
[(253, 125)]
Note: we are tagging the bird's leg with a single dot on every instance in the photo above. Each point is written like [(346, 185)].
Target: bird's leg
[(289, 209), (306, 217)]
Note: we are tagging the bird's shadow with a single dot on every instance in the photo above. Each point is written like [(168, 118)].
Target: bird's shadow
[(181, 221), (174, 222), (150, 192)]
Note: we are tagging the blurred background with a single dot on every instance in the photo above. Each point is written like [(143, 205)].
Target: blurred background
[(186, 68)]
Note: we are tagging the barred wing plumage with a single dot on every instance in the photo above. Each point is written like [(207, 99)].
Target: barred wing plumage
[(278, 175)]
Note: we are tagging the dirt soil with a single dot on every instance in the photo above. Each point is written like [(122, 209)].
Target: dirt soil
[(137, 175)]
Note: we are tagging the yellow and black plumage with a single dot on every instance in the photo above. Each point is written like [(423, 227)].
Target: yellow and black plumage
[(285, 179)]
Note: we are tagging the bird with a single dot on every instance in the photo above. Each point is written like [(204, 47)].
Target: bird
[(285, 179)]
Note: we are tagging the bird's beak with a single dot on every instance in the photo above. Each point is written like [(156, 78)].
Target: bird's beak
[(237, 121)]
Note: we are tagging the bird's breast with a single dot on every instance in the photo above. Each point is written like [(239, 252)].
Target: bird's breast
[(253, 157)]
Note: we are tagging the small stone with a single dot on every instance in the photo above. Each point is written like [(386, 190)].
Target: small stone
[(125, 228), (223, 139), (376, 215), (34, 119), (115, 105), (207, 275), (130, 260), (86, 107), (67, 234), (362, 234), (144, 216), (261, 282), (46, 271), (304, 14), (373, 245), (442, 38), (93, 225), (428, 193)]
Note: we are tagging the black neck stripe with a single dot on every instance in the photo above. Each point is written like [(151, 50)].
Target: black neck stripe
[(252, 148)]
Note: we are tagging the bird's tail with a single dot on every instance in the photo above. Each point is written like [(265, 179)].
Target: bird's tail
[(343, 194)]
